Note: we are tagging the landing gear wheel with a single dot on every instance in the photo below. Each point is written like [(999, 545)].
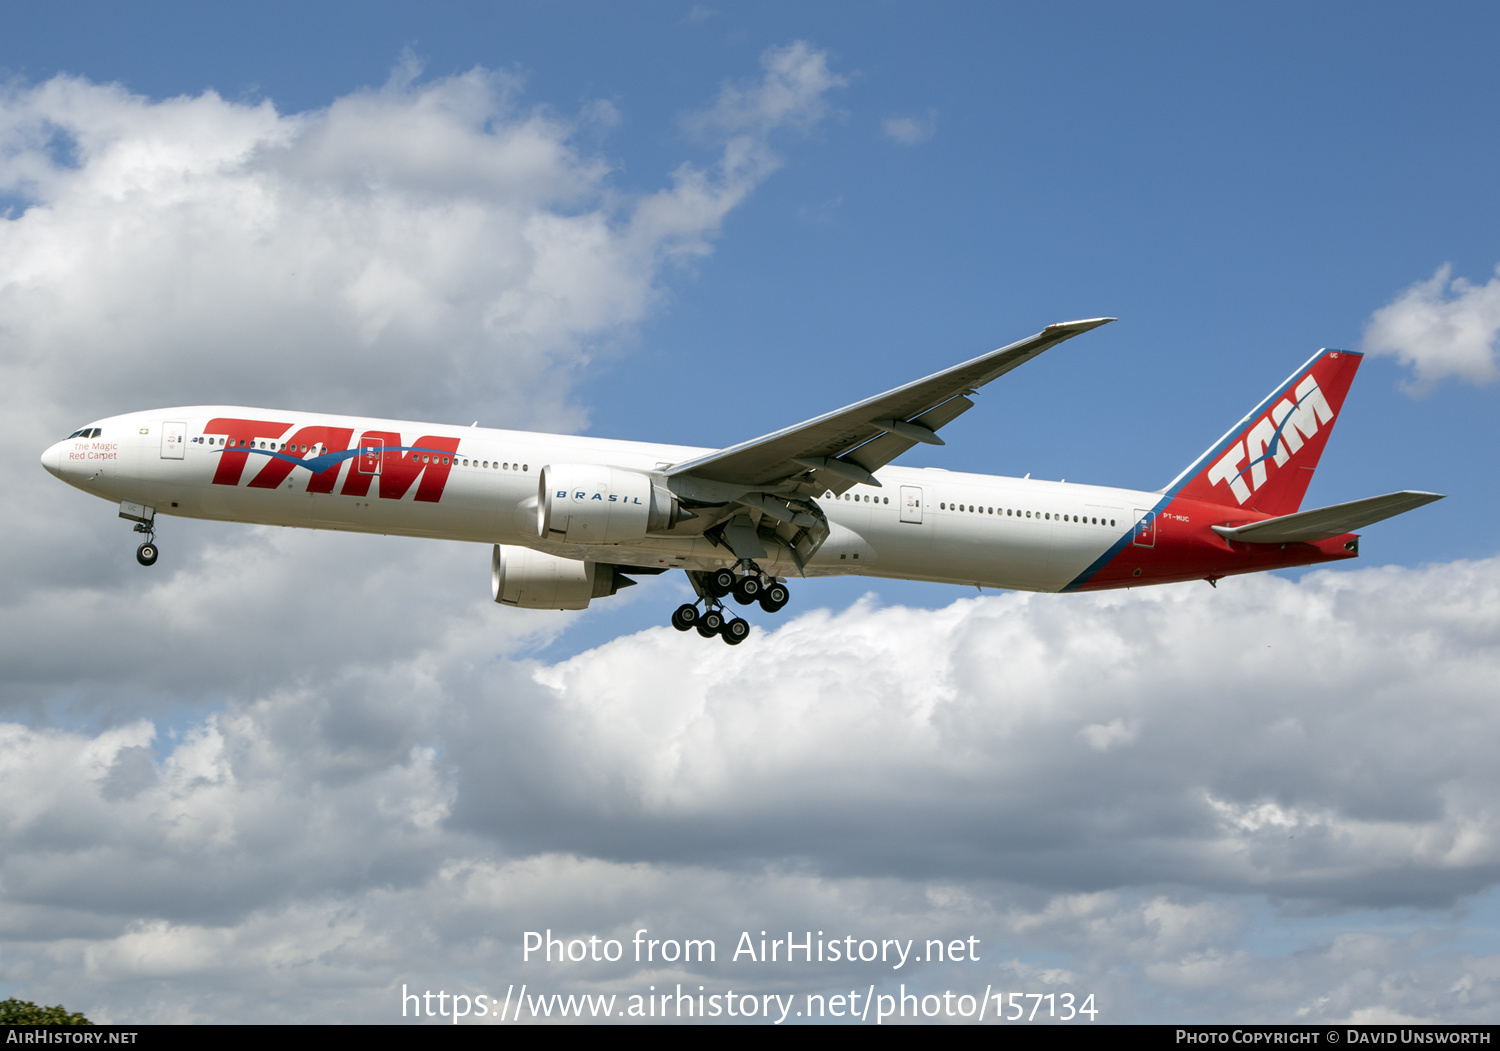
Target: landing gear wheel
[(711, 623), (146, 554), (720, 582), (736, 631), (747, 590), (685, 616), (773, 596)]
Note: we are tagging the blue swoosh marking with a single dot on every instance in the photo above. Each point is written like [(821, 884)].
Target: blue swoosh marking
[(1115, 548), (319, 464), (1276, 436)]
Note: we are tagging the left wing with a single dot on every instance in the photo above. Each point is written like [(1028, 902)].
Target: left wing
[(845, 447)]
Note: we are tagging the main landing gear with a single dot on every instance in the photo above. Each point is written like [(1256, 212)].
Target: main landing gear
[(746, 583)]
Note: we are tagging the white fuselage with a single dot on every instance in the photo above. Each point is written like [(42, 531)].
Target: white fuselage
[(917, 525)]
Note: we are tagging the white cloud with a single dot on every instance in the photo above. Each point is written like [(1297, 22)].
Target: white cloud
[(440, 232), (910, 131), (1441, 328), (427, 249), (1105, 783), (1104, 736), (792, 92)]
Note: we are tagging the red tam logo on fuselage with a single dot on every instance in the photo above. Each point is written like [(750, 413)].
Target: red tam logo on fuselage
[(323, 451), (381, 455)]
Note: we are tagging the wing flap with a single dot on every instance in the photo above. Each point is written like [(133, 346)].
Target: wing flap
[(1324, 523), (877, 452)]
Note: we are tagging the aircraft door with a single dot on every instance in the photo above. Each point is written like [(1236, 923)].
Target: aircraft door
[(1145, 528), (370, 453), (911, 504), (173, 440)]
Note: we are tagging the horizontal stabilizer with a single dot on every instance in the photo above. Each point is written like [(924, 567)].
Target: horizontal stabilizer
[(1324, 523)]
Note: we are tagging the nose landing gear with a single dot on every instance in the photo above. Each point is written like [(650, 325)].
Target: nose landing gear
[(145, 522), (750, 585)]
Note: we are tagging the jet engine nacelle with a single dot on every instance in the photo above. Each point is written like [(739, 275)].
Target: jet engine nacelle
[(580, 503), (531, 579)]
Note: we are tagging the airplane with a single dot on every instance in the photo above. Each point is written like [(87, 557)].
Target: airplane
[(572, 519)]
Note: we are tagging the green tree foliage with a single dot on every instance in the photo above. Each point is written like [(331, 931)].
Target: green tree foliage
[(21, 1012)]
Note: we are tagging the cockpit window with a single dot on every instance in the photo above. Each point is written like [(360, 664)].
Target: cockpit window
[(86, 432)]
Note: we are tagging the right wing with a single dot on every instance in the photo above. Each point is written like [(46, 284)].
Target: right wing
[(848, 445), (769, 485)]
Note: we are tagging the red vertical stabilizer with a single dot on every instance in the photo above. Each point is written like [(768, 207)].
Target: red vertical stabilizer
[(1266, 461)]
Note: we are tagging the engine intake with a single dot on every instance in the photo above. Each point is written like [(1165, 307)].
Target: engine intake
[(589, 504)]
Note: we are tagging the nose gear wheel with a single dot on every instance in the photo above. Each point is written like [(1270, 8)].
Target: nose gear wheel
[(148, 551)]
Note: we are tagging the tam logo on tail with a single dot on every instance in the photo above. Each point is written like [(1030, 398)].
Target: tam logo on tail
[(1266, 462), (1289, 424)]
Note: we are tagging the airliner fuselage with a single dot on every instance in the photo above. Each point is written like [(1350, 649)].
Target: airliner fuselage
[(479, 485), (573, 518)]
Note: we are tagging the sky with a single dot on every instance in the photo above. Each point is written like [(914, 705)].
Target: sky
[(286, 775)]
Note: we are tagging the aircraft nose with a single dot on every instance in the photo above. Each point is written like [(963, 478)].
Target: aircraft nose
[(52, 460)]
